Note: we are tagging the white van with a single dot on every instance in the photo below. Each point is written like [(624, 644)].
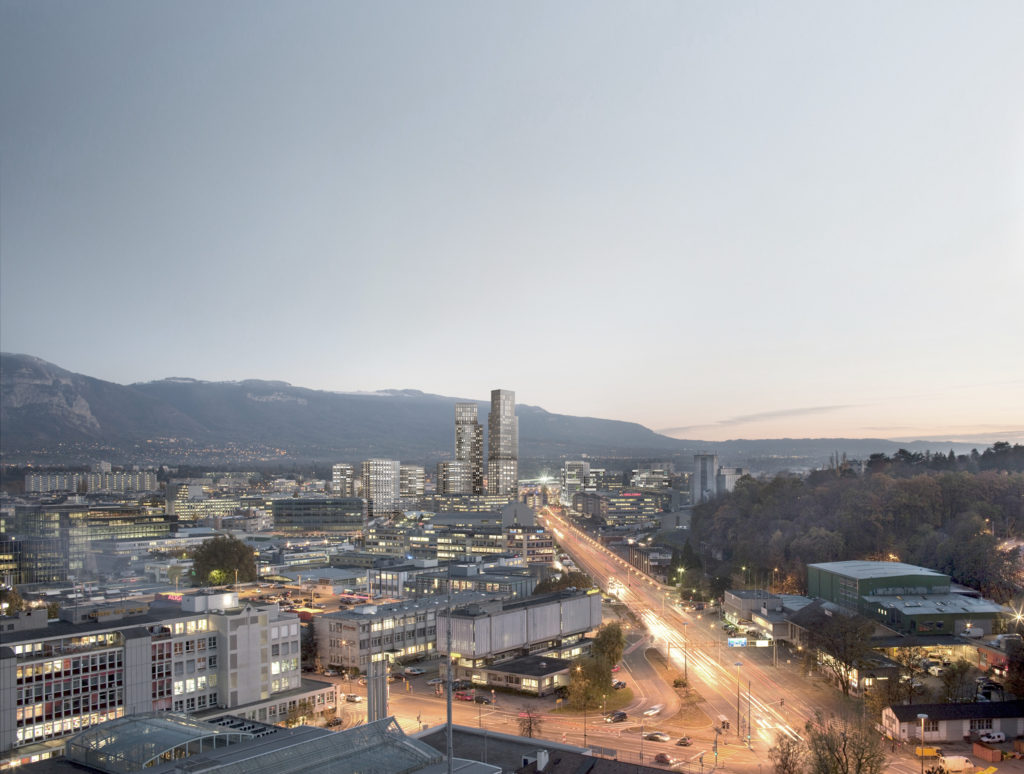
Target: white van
[(956, 763)]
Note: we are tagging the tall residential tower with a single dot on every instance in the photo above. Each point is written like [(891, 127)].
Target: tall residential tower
[(469, 444), (503, 445)]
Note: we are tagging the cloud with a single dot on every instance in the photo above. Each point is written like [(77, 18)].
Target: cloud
[(744, 419)]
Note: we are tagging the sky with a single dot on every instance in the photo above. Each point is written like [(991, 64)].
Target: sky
[(720, 220)]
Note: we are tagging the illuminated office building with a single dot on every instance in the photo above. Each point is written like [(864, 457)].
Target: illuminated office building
[(503, 445), (469, 445)]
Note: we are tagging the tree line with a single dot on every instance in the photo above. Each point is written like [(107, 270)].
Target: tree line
[(955, 522)]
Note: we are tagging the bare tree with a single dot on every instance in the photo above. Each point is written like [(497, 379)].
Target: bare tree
[(843, 643), (844, 748), (529, 724), (788, 756)]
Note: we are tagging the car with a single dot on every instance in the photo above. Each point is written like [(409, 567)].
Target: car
[(618, 685), (334, 722), (330, 673), (656, 736), (935, 670), (396, 676), (482, 700), (654, 710), (355, 698), (684, 741), (435, 681), (616, 668), (415, 671), (993, 737), (615, 717), (664, 758)]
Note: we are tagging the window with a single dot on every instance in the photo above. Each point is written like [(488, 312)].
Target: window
[(981, 724), (931, 726)]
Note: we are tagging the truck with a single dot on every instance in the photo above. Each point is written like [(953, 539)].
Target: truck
[(927, 752), (956, 763)]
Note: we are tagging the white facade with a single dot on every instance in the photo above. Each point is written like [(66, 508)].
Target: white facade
[(381, 485), (496, 629)]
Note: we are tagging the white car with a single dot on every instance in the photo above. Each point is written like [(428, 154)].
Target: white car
[(654, 710), (355, 698), (415, 671), (435, 681), (993, 737), (935, 670)]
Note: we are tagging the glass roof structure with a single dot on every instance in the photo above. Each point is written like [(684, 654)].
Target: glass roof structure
[(137, 742), (165, 743)]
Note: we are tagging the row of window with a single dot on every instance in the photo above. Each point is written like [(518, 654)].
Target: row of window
[(193, 684), (70, 666), (101, 701), (63, 726)]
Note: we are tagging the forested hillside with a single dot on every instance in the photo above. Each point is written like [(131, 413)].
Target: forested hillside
[(965, 522)]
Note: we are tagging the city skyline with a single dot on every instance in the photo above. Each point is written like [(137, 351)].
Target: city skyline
[(747, 221)]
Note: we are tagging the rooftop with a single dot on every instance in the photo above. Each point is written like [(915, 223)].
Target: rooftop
[(865, 570)]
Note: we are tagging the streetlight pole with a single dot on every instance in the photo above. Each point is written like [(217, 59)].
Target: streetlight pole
[(923, 716), (738, 664)]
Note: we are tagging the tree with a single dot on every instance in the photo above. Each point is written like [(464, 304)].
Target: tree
[(608, 644), (10, 602), (788, 756), (216, 561), (529, 724), (843, 748), (956, 683), (53, 610), (843, 642), (573, 579)]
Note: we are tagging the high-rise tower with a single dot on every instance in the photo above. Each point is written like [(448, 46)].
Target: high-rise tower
[(381, 479), (503, 445), (469, 443)]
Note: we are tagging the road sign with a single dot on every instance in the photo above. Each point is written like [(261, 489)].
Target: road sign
[(737, 642)]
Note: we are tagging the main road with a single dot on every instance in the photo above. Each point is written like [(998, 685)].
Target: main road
[(740, 685)]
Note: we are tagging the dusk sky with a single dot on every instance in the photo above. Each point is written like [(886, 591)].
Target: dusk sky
[(719, 219)]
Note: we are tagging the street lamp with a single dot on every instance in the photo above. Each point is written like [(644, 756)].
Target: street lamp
[(922, 716), (738, 664), (579, 673)]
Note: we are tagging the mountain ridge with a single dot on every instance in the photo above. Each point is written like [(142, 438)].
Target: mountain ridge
[(47, 411)]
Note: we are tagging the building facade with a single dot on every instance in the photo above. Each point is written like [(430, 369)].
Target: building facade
[(455, 477), (704, 481), (469, 445), (503, 445), (339, 516), (343, 477), (381, 485), (103, 662), (412, 480)]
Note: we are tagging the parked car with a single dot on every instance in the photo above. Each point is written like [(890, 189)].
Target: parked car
[(415, 671), (615, 717), (435, 681), (334, 722), (355, 698), (464, 695), (993, 737), (654, 710), (482, 700), (618, 685), (684, 741), (616, 668), (664, 758), (656, 736), (330, 673), (935, 670)]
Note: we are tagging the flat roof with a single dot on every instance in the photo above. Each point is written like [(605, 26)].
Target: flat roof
[(863, 569), (533, 666), (937, 604)]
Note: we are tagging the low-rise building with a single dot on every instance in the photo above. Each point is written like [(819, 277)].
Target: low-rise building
[(497, 631)]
